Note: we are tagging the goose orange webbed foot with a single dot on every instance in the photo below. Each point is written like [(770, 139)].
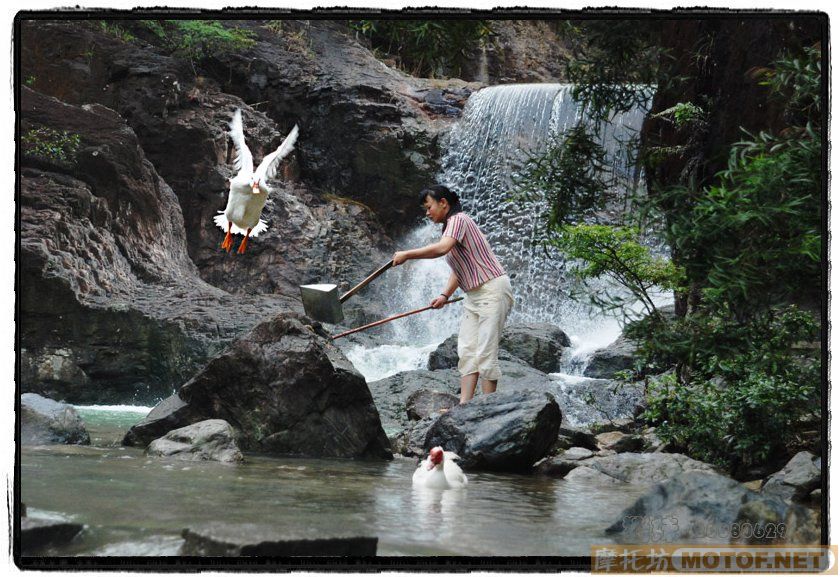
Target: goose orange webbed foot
[(227, 244)]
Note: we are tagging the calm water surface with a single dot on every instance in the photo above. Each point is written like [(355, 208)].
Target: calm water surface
[(134, 505)]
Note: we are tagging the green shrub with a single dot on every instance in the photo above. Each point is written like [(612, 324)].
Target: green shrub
[(433, 48), (617, 254), (753, 389), (196, 40), (50, 144)]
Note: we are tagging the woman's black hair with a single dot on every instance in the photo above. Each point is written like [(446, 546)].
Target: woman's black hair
[(439, 192)]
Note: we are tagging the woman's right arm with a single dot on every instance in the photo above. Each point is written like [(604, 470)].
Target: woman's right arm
[(440, 248)]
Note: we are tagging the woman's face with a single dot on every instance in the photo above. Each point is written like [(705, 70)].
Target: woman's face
[(436, 210)]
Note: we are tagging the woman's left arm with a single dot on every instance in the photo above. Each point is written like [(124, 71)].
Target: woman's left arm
[(435, 250)]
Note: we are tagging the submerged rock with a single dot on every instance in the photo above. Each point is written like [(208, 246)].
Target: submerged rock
[(249, 540), (210, 440), (37, 534), (705, 507), (46, 421), (286, 389), (635, 468), (503, 431)]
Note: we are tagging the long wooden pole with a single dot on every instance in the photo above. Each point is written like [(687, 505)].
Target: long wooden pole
[(389, 319)]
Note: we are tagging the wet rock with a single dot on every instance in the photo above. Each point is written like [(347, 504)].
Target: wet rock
[(210, 440), (540, 345), (594, 403), (797, 479), (622, 425), (120, 314), (46, 421), (423, 403), (635, 468), (646, 468), (620, 442), (589, 475), (37, 534), (171, 413), (287, 389), (503, 431), (250, 540), (391, 394), (651, 441), (606, 362), (701, 507), (446, 355), (576, 437), (410, 442)]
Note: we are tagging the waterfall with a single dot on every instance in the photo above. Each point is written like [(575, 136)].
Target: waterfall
[(501, 127)]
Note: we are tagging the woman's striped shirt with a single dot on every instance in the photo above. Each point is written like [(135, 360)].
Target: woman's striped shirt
[(471, 258)]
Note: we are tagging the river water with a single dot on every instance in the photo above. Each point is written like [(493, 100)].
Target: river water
[(133, 505)]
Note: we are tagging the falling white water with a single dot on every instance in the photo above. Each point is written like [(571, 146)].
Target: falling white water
[(501, 128)]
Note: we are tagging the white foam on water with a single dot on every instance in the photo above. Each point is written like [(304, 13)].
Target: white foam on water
[(115, 408)]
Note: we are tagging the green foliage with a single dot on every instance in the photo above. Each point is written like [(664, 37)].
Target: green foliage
[(615, 253), (432, 48), (30, 80), (743, 388), (754, 238), (572, 176), (684, 114), (753, 392), (115, 30), (53, 145), (612, 60), (196, 40)]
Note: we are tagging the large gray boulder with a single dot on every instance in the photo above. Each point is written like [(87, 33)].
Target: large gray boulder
[(508, 430), (445, 356), (705, 507), (46, 421), (801, 475), (210, 440), (287, 390), (218, 539), (541, 345), (606, 362), (392, 394)]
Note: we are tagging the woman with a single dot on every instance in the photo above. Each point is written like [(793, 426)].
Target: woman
[(477, 271)]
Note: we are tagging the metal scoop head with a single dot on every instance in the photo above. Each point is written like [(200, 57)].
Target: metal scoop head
[(321, 302)]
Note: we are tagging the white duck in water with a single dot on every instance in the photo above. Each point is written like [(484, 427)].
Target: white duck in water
[(439, 471), (249, 188)]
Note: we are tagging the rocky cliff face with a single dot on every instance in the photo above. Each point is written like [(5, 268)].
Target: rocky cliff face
[(125, 291)]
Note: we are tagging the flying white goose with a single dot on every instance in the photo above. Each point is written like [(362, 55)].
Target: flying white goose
[(249, 188), (439, 471)]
